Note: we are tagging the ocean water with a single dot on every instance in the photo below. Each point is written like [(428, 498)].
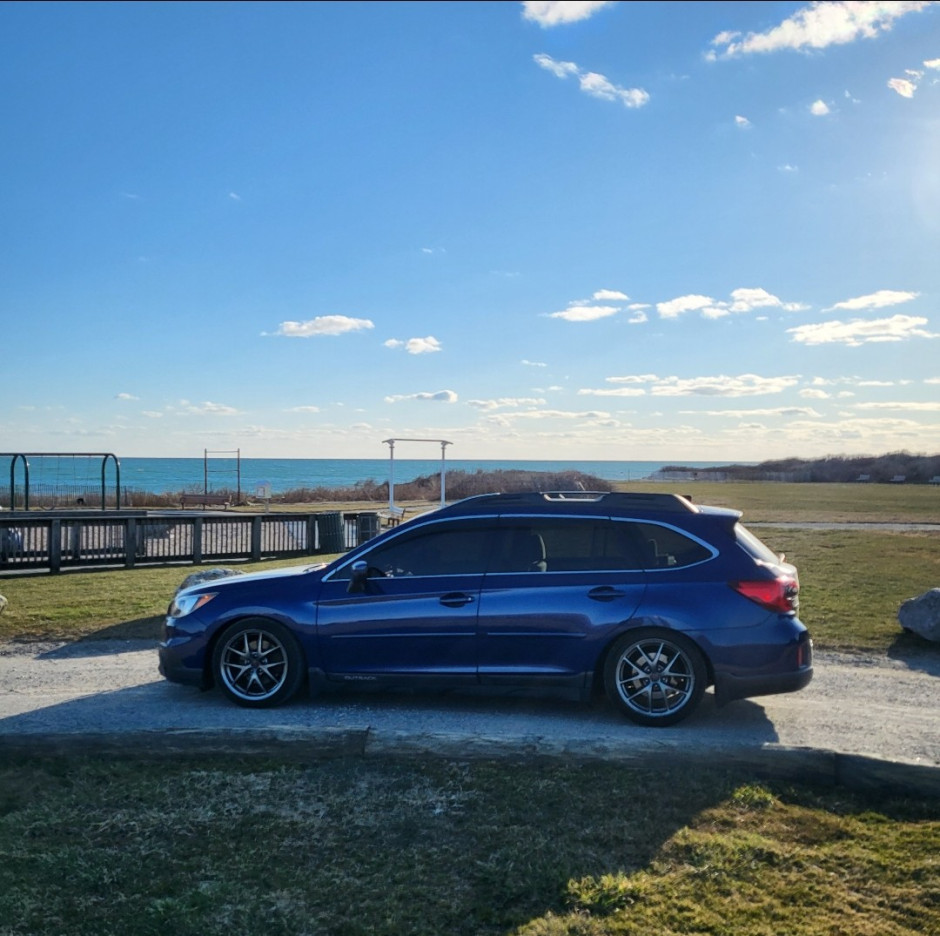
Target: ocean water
[(171, 475)]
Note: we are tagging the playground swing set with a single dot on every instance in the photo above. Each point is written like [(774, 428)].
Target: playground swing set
[(62, 480)]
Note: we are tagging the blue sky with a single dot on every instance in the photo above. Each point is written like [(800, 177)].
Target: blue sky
[(663, 231)]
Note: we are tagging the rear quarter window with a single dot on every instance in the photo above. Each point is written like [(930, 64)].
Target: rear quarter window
[(668, 548)]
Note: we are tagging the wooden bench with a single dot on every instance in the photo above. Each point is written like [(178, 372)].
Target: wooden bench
[(392, 516), (206, 500)]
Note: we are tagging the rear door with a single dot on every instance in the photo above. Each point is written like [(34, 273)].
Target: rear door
[(557, 587)]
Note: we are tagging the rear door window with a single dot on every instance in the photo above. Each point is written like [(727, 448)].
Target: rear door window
[(564, 544)]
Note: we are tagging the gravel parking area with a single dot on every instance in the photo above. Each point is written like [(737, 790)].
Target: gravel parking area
[(881, 708)]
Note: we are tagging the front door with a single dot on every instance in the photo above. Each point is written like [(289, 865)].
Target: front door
[(417, 612)]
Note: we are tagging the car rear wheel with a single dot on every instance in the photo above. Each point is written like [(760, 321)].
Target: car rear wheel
[(258, 663), (655, 677)]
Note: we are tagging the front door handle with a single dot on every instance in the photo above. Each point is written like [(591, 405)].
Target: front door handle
[(456, 599)]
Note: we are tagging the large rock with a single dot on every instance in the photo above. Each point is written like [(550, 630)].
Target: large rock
[(921, 615), (206, 575)]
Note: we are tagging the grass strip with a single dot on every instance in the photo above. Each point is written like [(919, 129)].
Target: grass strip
[(402, 847)]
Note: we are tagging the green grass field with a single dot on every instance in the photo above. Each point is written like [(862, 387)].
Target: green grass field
[(406, 848), (409, 848)]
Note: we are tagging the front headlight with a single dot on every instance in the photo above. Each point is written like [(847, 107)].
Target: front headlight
[(182, 605)]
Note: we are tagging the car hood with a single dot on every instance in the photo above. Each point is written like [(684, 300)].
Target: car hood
[(237, 579)]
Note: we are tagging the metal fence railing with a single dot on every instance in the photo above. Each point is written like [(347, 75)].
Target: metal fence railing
[(44, 541)]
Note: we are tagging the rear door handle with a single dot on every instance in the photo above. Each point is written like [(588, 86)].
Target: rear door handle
[(456, 599), (605, 593)]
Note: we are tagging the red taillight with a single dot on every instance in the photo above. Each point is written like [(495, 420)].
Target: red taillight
[(780, 594)]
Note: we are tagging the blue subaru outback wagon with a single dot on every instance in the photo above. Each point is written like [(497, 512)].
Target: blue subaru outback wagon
[(649, 596)]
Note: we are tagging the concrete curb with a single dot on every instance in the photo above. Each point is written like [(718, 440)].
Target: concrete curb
[(857, 772)]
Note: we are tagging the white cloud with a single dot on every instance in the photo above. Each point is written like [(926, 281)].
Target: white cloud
[(723, 386), (558, 69), (322, 325), (908, 406), (416, 345), (304, 409), (875, 300), (126, 396), (742, 122), (609, 295), (747, 299), (441, 396), (633, 379), (907, 86), (743, 385), (551, 414), (817, 26), (559, 12), (855, 382), (505, 402), (592, 83), (615, 392), (638, 317), (584, 313), (209, 409), (787, 411), (600, 87), (862, 331), (534, 363), (675, 307), (903, 86), (819, 108), (742, 300)]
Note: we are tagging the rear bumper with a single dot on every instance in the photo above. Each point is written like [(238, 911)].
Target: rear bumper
[(728, 687), (788, 668)]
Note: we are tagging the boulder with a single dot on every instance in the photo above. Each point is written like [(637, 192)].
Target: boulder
[(206, 575), (921, 615)]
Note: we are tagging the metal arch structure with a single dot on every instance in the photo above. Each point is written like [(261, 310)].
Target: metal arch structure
[(391, 465), (25, 456)]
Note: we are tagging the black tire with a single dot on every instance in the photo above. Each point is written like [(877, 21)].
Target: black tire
[(655, 677), (258, 663)]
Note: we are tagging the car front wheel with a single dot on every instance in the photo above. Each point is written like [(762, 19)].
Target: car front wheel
[(258, 663), (655, 677)]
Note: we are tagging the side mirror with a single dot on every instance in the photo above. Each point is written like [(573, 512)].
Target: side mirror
[(358, 575)]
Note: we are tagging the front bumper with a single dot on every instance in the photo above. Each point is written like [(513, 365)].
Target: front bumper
[(175, 670)]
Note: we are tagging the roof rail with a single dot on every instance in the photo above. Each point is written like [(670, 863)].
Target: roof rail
[(614, 499)]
